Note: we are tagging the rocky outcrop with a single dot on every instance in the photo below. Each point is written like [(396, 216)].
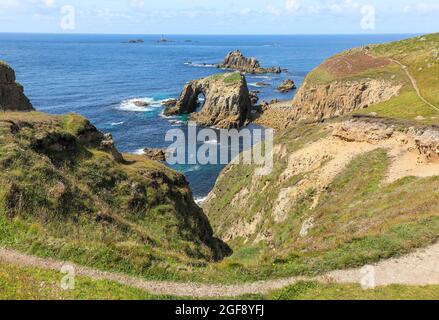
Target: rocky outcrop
[(287, 86), (136, 41), (237, 61), (314, 103), (254, 98), (226, 105), (319, 102), (68, 174), (169, 103), (12, 96), (420, 139), (155, 154)]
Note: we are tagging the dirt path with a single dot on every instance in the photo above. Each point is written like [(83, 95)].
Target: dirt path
[(414, 84), (418, 268)]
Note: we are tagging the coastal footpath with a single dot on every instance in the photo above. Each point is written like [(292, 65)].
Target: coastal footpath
[(355, 182)]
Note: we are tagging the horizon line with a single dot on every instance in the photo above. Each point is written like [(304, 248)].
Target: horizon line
[(217, 34)]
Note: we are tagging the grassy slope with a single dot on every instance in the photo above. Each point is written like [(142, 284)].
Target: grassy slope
[(358, 219), (80, 204), (34, 284), (315, 291), (422, 58), (420, 54)]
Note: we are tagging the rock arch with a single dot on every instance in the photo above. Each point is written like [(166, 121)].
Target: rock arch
[(227, 101)]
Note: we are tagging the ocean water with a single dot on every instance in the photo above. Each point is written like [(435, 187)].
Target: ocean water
[(99, 76)]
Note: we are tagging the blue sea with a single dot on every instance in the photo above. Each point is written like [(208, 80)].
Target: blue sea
[(98, 76)]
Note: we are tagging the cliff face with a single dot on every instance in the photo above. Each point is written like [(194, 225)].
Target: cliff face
[(12, 96), (349, 82), (333, 185), (237, 61), (318, 102), (343, 192), (65, 178), (66, 192), (226, 105)]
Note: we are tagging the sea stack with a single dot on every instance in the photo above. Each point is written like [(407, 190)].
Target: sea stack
[(235, 60), (287, 86)]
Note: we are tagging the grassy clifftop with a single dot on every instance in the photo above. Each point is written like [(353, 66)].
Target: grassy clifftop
[(380, 79), (65, 192), (387, 62)]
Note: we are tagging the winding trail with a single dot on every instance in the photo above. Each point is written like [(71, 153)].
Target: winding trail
[(414, 84), (419, 268)]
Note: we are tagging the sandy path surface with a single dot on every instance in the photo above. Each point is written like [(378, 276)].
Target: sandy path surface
[(414, 84), (418, 268)]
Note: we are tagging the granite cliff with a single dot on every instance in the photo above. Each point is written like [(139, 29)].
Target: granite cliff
[(12, 96), (68, 193), (226, 103), (237, 61)]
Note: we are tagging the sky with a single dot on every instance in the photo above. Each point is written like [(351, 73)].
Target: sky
[(220, 16)]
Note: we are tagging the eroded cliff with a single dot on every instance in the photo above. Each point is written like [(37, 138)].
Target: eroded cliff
[(226, 101), (235, 60), (12, 96)]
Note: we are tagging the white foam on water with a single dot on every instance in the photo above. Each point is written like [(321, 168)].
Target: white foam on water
[(200, 200), (114, 124), (200, 65), (193, 168), (139, 151), (255, 84), (176, 122), (130, 104)]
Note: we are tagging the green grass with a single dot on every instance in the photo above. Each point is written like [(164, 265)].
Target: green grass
[(80, 204), (420, 55), (406, 106), (358, 219), (17, 283), (26, 283), (316, 291), (233, 78)]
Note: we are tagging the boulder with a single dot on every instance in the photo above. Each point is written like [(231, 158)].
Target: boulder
[(169, 103), (12, 96), (254, 97), (226, 105), (235, 60), (136, 41), (287, 86), (155, 154), (140, 103)]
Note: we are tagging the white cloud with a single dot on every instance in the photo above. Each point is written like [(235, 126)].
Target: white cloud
[(426, 7), (245, 12), (137, 3), (273, 10), (345, 6), (292, 5)]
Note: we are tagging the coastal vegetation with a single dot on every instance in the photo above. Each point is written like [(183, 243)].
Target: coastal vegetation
[(355, 181)]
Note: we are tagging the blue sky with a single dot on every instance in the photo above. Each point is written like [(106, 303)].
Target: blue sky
[(220, 16)]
